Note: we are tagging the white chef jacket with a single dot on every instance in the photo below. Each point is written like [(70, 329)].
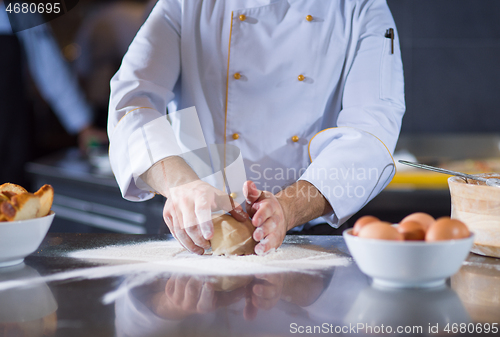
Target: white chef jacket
[(309, 90), (52, 76)]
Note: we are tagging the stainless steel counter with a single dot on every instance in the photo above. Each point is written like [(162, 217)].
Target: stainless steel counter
[(49, 294)]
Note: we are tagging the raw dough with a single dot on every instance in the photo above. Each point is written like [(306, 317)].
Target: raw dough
[(232, 237)]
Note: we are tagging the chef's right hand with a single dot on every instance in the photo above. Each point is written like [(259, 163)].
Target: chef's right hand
[(188, 213)]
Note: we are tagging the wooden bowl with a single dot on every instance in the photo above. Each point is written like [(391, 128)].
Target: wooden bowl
[(478, 206)]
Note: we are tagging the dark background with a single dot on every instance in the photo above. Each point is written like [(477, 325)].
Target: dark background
[(451, 59)]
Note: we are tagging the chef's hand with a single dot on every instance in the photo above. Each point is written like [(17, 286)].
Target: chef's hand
[(184, 296), (188, 213), (267, 215), (274, 215), (190, 202), (266, 291)]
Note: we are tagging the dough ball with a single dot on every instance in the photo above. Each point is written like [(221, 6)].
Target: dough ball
[(232, 237)]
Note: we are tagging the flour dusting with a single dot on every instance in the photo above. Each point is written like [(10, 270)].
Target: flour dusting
[(169, 256), (141, 263)]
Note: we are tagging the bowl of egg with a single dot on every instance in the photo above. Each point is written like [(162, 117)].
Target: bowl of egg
[(419, 252)]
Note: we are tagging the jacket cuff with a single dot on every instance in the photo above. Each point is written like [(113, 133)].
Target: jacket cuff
[(140, 139), (349, 168)]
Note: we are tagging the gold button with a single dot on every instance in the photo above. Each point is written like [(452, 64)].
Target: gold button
[(309, 18), (301, 78), (236, 136), (242, 17), (233, 195), (237, 76), (295, 139)]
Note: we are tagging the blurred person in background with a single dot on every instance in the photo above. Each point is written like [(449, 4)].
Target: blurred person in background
[(55, 82), (102, 40)]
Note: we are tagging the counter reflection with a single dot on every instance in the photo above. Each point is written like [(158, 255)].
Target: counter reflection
[(283, 304), (26, 311), (420, 309), (195, 305), (478, 286)]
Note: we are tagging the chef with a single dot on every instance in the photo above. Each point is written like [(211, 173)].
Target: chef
[(311, 93)]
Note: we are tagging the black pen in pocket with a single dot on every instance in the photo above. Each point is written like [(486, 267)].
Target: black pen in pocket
[(389, 33)]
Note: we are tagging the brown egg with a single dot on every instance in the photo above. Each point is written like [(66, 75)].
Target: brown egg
[(361, 222), (447, 229), (412, 230), (380, 230), (424, 219)]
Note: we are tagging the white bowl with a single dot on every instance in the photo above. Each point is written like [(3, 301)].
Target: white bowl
[(408, 264), (19, 239)]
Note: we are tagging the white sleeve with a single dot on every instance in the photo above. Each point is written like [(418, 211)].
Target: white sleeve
[(57, 84), (352, 163), (138, 129)]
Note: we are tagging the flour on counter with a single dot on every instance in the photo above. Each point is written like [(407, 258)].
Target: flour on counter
[(141, 263), (154, 259), (169, 256)]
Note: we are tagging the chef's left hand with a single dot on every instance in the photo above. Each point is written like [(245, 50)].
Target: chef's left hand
[(268, 216), (273, 215)]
